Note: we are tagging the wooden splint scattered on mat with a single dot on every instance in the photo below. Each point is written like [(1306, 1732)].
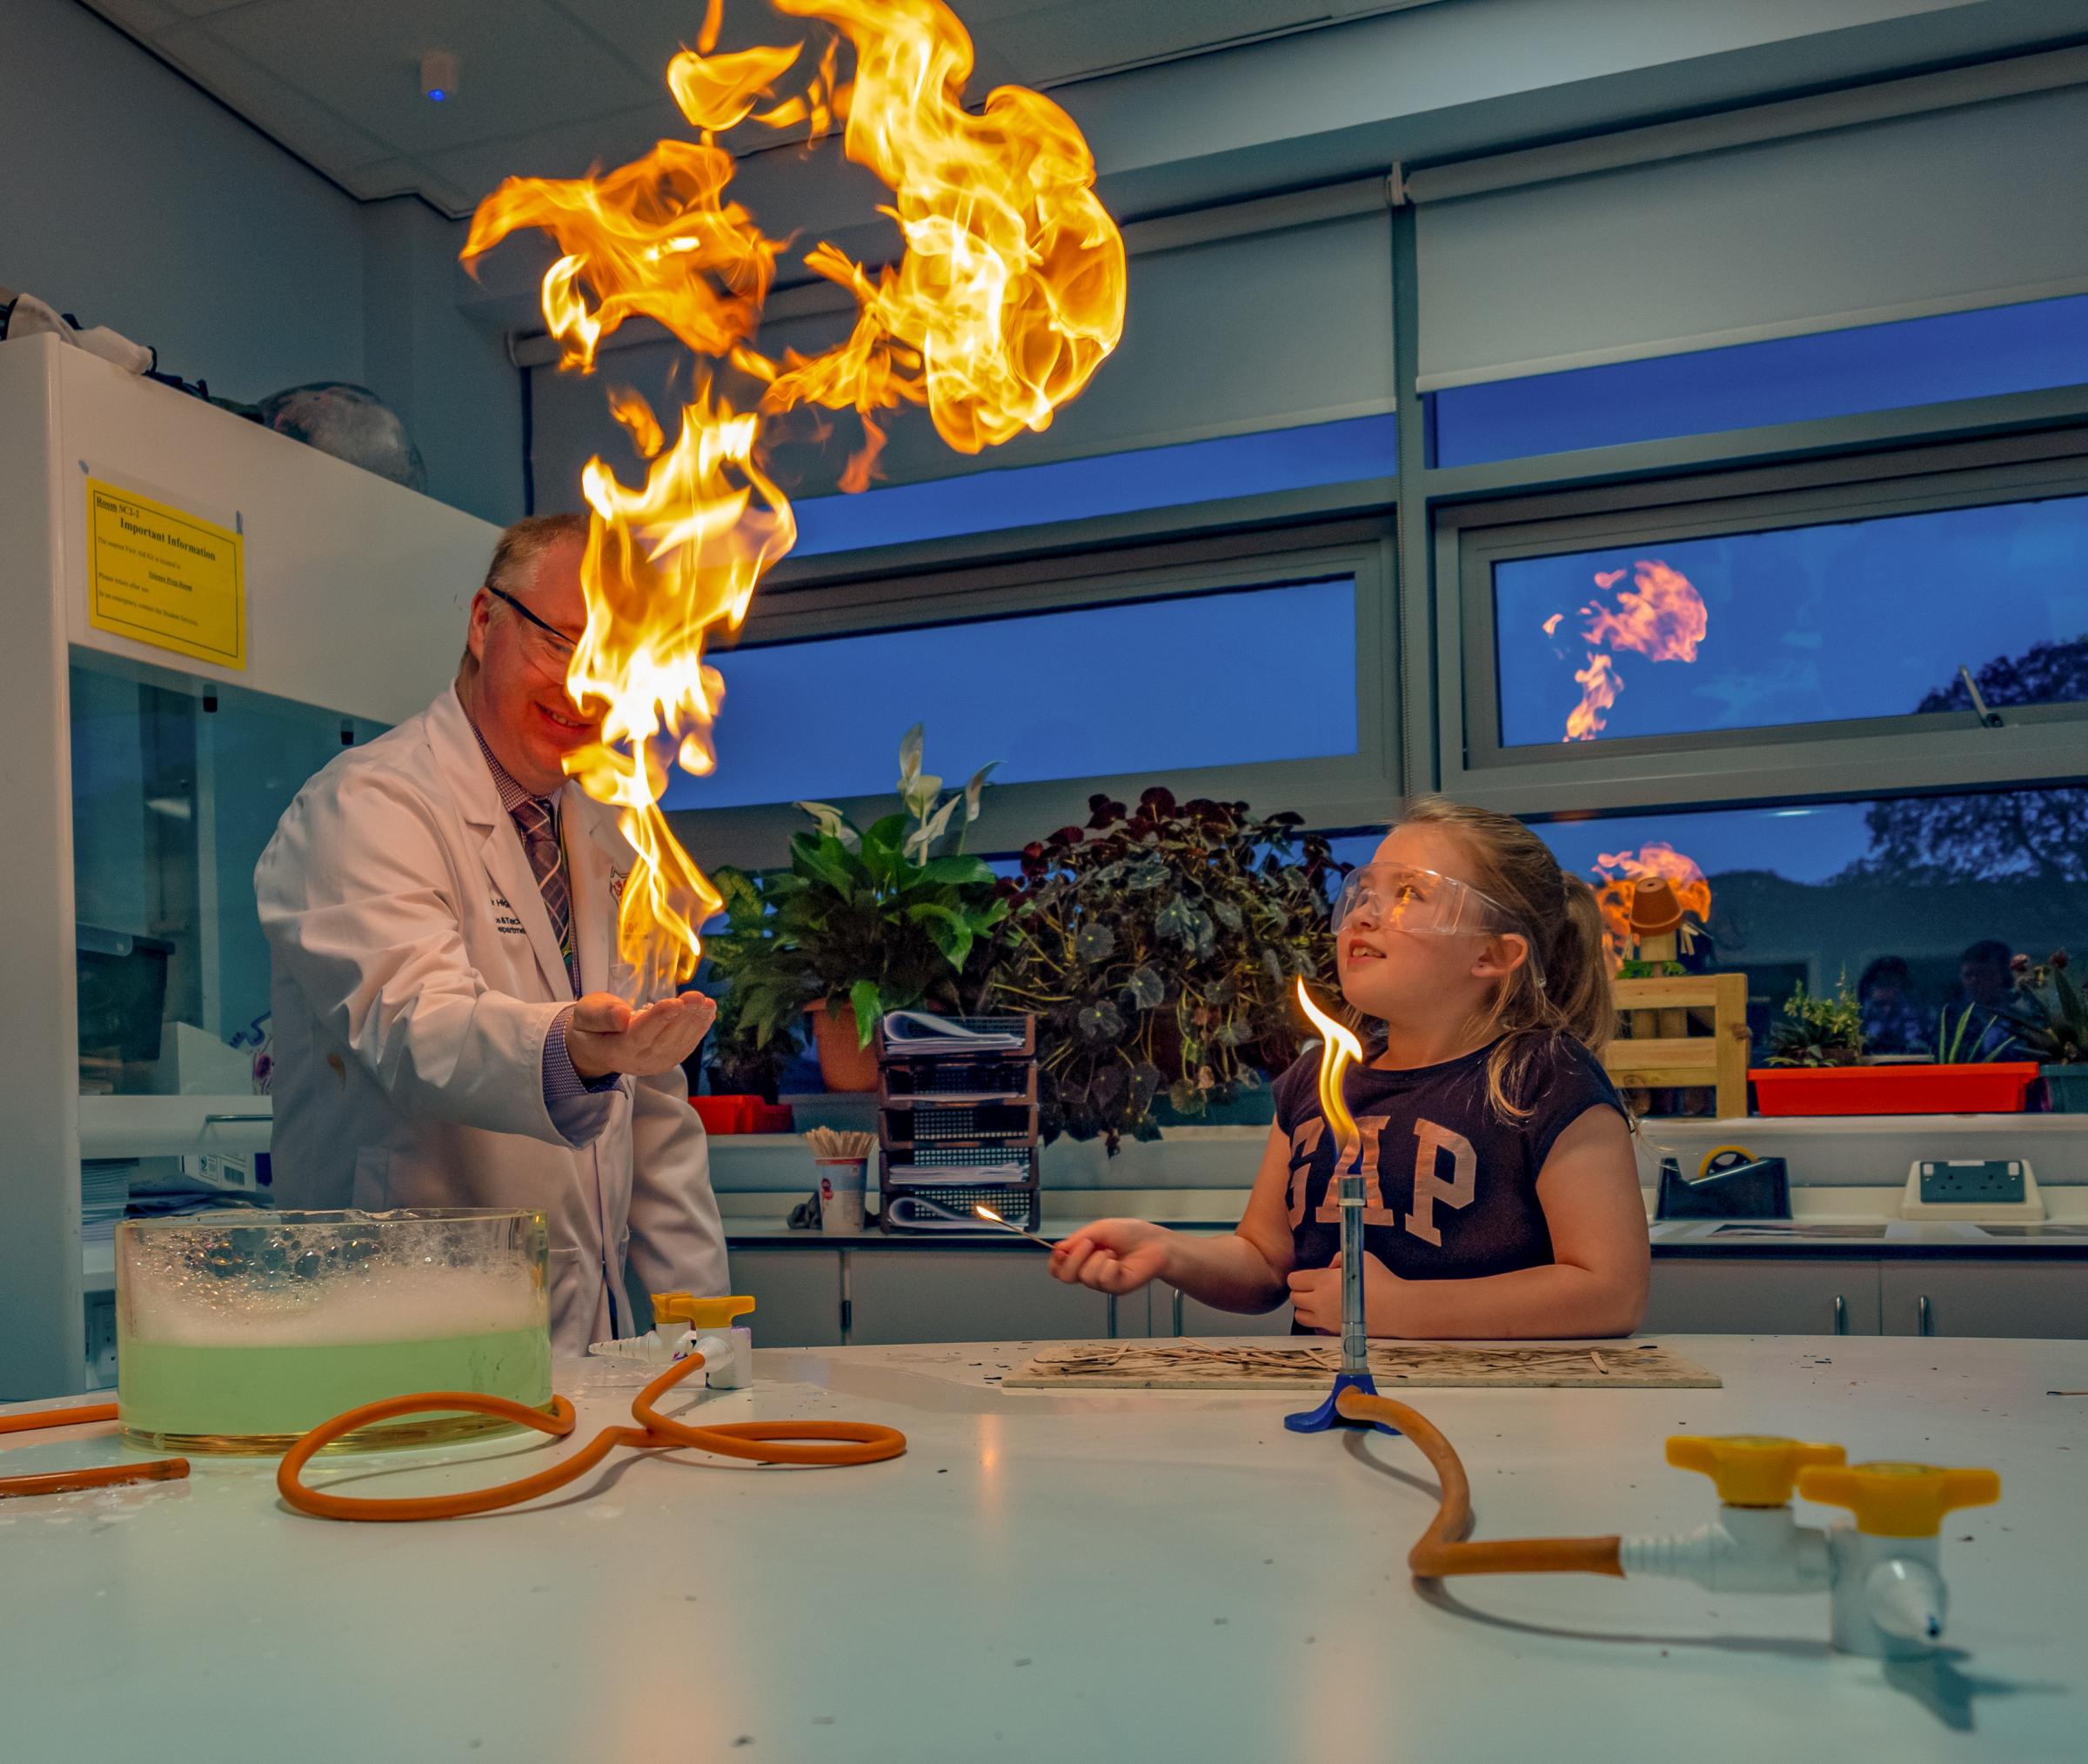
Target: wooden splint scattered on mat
[(1415, 1364)]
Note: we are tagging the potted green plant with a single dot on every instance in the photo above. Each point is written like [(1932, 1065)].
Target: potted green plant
[(1816, 1065), (2050, 1017), (1158, 948), (864, 920), (1817, 1029), (742, 1058)]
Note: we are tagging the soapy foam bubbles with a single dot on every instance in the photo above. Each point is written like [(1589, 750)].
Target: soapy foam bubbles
[(349, 1279)]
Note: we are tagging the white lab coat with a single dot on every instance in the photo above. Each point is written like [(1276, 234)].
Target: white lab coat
[(415, 978)]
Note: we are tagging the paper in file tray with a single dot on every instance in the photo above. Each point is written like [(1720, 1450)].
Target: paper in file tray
[(924, 1032), (918, 1212), (950, 1209), (1014, 1168), (940, 1196)]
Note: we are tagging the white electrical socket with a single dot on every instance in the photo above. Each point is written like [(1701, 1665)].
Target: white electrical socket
[(1972, 1190)]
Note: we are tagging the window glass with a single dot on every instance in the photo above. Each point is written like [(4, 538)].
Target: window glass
[(1873, 367), (1021, 496), (1919, 901), (176, 787), (1230, 679), (1799, 624)]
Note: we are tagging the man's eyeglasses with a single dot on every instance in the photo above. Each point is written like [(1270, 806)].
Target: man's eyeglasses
[(560, 645)]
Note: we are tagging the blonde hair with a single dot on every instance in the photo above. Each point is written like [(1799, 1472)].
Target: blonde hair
[(515, 554), (1563, 989)]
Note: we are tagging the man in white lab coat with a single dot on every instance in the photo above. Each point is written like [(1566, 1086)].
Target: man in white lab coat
[(451, 1027)]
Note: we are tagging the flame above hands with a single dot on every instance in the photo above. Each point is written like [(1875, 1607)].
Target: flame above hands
[(1008, 294), (1660, 615)]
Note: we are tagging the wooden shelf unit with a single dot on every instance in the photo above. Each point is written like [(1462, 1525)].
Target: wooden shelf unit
[(1686, 1031)]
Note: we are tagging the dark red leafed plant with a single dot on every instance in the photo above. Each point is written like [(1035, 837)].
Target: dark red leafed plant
[(1158, 947)]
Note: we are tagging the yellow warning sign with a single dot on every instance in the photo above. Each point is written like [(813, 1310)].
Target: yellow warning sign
[(166, 577)]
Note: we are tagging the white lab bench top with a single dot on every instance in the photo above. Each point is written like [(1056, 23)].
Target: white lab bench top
[(1055, 1576)]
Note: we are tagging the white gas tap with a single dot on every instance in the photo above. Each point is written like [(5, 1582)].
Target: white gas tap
[(1889, 1599), (1882, 1572)]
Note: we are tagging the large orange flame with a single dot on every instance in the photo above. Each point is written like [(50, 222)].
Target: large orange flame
[(1011, 289), (1009, 292), (1660, 615), (1620, 872)]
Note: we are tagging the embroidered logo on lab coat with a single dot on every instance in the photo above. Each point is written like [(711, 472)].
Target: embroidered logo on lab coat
[(504, 920), (617, 878)]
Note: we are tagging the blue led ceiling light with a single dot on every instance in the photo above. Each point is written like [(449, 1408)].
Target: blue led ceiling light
[(438, 74)]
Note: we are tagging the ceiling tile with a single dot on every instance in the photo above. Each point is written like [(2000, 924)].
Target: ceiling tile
[(568, 150), (382, 178), (521, 65), (551, 87), (1053, 42), (136, 17), (308, 128), (648, 34), (452, 200)]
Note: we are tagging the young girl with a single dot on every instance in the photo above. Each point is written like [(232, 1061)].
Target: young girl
[(1501, 1193)]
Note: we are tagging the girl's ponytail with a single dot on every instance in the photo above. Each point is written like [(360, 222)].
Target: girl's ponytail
[(1564, 988), (1576, 969)]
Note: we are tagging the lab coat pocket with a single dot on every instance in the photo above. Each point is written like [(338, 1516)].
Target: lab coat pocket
[(371, 1189)]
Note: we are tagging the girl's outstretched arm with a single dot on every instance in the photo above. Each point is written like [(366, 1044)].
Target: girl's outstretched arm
[(1244, 1272)]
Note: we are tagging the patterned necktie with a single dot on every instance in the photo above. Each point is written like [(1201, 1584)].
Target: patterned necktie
[(539, 829)]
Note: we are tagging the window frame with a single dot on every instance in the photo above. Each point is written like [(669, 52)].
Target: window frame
[(1945, 751), (1357, 788)]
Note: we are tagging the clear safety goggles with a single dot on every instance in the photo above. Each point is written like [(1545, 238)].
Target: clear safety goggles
[(1404, 897)]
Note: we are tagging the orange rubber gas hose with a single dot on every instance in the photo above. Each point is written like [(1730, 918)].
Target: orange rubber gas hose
[(57, 1418), (64, 1482), (765, 1442), (1442, 1549)]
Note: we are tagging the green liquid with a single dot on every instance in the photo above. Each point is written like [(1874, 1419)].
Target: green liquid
[(256, 1398)]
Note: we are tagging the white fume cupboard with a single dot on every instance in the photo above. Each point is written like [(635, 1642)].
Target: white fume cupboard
[(140, 785)]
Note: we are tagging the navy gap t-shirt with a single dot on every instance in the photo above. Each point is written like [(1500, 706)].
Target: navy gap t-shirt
[(1449, 1184)]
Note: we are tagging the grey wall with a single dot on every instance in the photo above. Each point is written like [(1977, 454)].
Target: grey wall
[(132, 199), (135, 201), (449, 379)]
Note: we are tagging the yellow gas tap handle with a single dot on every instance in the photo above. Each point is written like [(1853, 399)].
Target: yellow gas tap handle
[(1750, 1469), (698, 1314), (1899, 1500)]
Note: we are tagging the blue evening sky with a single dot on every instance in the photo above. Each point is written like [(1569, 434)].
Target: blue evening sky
[(1870, 367), (1858, 619), (1150, 687), (1020, 496), (1801, 845)]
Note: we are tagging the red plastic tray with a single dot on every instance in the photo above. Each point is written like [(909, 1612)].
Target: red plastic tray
[(742, 1114), (1997, 1088), (723, 1114)]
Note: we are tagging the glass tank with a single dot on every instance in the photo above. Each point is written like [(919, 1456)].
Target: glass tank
[(237, 1332), (178, 784)]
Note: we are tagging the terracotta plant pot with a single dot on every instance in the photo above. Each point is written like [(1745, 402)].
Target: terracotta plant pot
[(844, 1065), (1995, 1087)]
